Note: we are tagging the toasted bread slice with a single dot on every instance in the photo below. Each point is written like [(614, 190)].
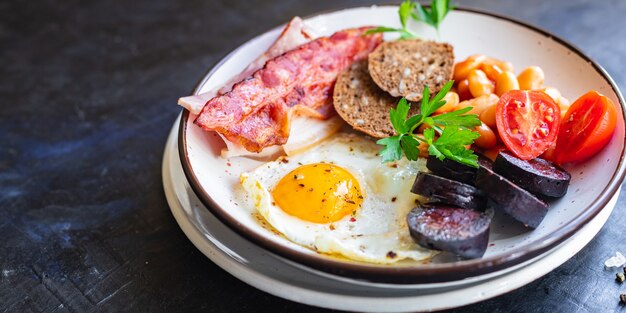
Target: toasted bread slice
[(403, 67), (362, 104)]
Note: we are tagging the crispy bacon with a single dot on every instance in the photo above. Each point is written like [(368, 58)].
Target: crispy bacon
[(294, 34), (256, 113)]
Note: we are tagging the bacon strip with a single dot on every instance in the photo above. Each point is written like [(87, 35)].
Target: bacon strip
[(256, 113), (294, 34)]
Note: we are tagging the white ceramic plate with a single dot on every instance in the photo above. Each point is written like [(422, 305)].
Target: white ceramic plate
[(215, 180), (280, 277)]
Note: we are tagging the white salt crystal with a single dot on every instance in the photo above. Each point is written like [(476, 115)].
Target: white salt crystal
[(615, 261)]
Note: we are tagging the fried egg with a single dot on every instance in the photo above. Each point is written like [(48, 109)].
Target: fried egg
[(339, 198)]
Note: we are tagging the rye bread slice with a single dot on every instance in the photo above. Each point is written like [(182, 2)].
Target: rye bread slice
[(403, 67), (362, 104)]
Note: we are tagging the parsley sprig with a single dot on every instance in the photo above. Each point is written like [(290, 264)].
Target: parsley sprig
[(432, 16), (404, 12), (453, 128)]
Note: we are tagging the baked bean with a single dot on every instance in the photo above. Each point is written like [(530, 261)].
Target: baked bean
[(507, 66), (492, 70), (563, 104), (479, 104), (531, 78), (552, 92), (489, 116), (506, 81), (463, 90), (479, 84), (487, 139), (452, 101), (463, 68), (493, 152)]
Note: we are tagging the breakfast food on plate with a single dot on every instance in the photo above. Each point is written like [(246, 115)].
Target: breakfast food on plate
[(451, 169), (586, 127), (256, 112), (455, 170), (528, 122), (307, 132), (464, 232), (337, 192), (294, 34), (362, 104), (538, 176), (404, 67), (438, 189), (338, 198), (510, 198)]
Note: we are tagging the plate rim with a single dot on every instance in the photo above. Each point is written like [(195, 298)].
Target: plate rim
[(411, 275)]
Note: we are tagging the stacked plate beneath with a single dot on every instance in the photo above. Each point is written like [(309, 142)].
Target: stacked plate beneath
[(287, 279)]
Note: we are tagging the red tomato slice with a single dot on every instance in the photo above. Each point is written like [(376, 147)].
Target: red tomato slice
[(586, 128), (528, 122)]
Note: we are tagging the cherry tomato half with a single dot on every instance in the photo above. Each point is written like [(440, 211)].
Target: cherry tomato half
[(528, 122), (586, 128)]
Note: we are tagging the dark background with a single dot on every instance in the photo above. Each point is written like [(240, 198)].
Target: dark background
[(87, 97)]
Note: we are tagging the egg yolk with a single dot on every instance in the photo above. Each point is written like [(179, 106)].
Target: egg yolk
[(318, 193)]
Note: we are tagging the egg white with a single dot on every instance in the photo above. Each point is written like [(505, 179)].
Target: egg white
[(378, 233)]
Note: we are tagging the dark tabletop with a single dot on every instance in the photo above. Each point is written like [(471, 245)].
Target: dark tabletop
[(88, 94)]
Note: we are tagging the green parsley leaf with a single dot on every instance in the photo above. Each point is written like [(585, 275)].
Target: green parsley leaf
[(429, 121), (405, 12), (425, 101), (398, 116), (429, 136), (457, 118), (451, 143), (414, 121), (429, 106), (421, 15), (404, 33), (464, 156), (406, 7), (434, 15), (382, 29), (457, 136), (410, 147), (409, 9), (442, 93), (392, 150), (407, 34), (455, 131)]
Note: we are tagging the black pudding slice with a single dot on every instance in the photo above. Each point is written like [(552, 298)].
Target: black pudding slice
[(442, 190), (464, 232), (510, 198), (537, 176), (451, 170), (455, 170)]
